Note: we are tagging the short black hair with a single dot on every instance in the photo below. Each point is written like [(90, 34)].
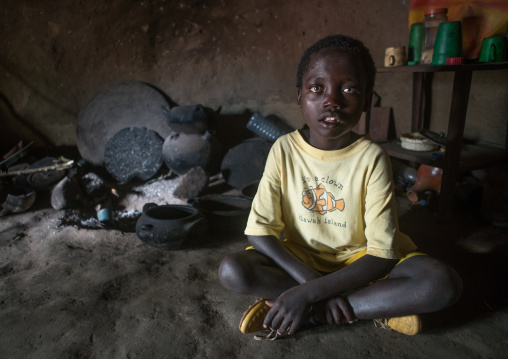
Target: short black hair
[(345, 43)]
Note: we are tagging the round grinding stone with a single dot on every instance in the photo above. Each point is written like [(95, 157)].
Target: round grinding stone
[(115, 107), (134, 152)]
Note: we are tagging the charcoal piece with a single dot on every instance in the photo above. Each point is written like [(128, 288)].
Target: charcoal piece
[(134, 152), (192, 183), (94, 187), (245, 163)]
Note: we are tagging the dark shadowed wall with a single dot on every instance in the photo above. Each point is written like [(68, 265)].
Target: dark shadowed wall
[(241, 55)]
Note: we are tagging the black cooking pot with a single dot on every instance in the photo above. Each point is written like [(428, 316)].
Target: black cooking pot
[(225, 213), (250, 190), (169, 226)]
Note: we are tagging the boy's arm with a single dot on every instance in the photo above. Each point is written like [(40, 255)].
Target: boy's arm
[(290, 307), (272, 247), (359, 273)]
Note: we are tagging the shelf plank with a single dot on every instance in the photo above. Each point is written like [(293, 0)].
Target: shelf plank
[(394, 149), (480, 156), (446, 68), (471, 157)]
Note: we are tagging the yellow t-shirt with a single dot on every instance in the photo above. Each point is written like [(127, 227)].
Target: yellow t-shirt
[(329, 205)]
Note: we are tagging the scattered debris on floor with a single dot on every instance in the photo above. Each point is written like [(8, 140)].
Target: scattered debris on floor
[(133, 148)]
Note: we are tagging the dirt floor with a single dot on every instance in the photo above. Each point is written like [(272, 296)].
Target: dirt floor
[(70, 292)]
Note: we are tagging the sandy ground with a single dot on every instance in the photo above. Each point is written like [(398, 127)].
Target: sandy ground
[(69, 292)]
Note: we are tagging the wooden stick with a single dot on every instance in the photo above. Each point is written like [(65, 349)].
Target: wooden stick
[(57, 167)]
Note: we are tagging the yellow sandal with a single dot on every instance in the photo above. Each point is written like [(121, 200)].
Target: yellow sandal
[(252, 320), (409, 324)]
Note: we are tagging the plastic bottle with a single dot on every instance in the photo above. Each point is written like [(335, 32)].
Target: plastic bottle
[(431, 21), (269, 128)]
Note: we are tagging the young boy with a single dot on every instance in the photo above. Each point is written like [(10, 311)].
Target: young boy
[(323, 224)]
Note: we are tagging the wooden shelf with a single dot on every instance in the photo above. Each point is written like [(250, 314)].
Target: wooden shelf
[(472, 156), (394, 149), (459, 156), (446, 68)]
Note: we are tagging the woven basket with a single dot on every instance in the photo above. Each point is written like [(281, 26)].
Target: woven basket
[(416, 142)]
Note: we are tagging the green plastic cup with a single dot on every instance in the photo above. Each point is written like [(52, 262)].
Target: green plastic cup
[(414, 51), (493, 49), (448, 42)]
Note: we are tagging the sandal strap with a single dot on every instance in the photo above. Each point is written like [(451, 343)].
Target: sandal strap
[(382, 323), (273, 335)]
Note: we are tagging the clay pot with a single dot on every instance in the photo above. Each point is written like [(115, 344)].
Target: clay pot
[(169, 226), (429, 179), (190, 119), (182, 151), (225, 213)]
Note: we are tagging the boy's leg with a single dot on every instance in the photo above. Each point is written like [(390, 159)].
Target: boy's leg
[(250, 272), (419, 284)]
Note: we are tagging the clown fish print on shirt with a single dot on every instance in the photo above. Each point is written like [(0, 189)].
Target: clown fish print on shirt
[(320, 200)]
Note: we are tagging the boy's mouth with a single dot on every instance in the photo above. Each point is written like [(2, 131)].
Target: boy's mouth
[(331, 121)]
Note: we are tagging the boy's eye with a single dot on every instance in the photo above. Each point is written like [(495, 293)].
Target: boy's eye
[(316, 88), (351, 90)]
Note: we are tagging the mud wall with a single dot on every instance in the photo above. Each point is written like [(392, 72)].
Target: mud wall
[(241, 55)]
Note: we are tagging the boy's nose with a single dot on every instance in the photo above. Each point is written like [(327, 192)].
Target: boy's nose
[(333, 99)]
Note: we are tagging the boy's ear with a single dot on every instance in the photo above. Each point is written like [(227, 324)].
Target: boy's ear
[(299, 97), (368, 101)]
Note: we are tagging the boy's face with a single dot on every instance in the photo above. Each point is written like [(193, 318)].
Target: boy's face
[(332, 98)]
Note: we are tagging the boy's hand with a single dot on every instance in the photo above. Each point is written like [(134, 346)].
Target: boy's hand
[(288, 311), (335, 310)]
